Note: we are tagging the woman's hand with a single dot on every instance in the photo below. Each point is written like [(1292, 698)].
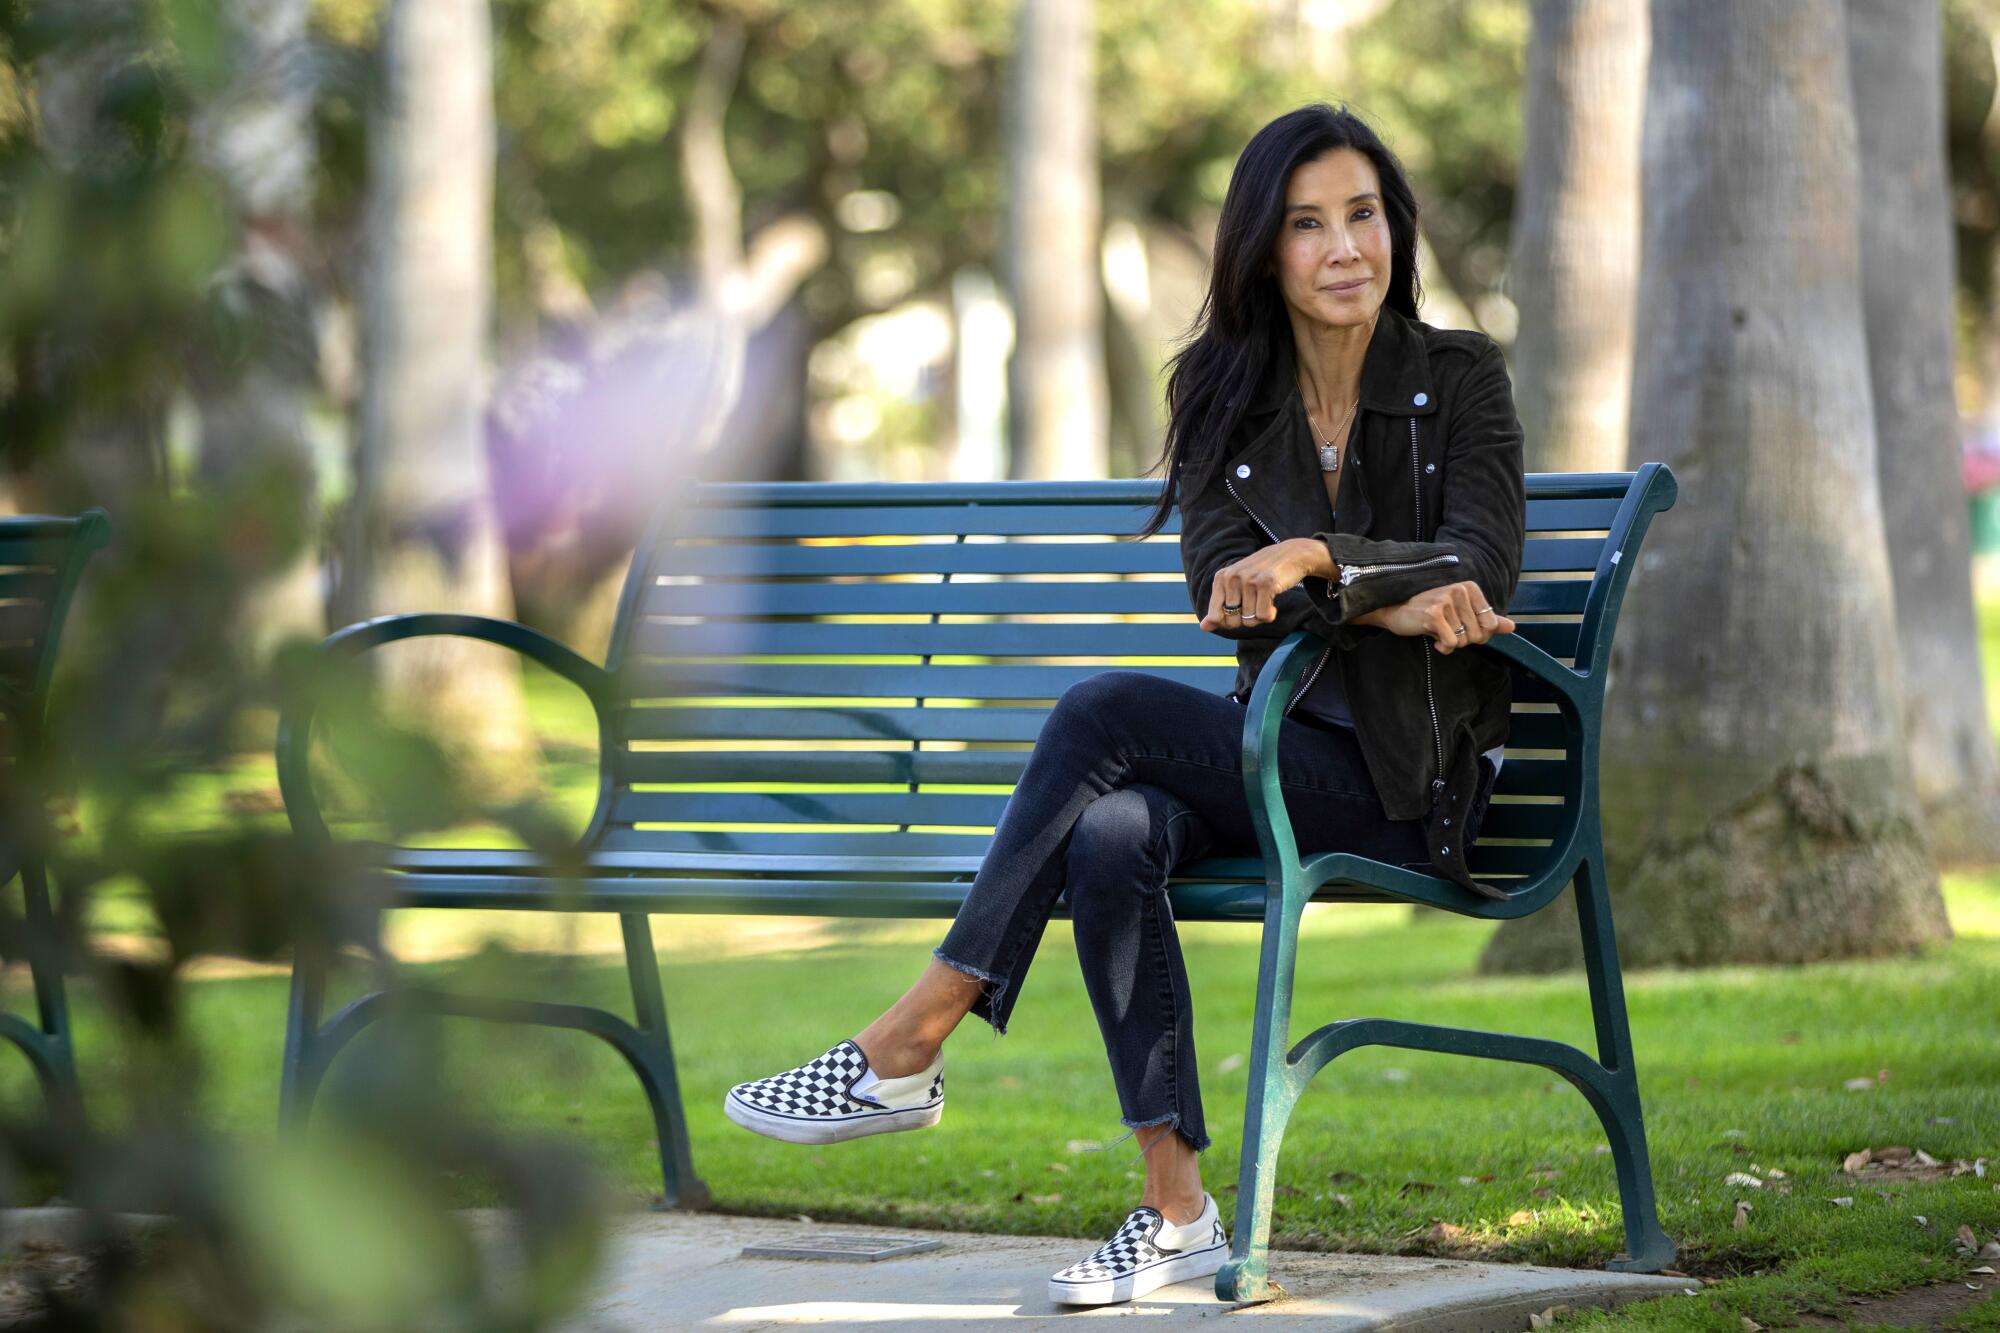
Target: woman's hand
[(1251, 585), (1441, 613)]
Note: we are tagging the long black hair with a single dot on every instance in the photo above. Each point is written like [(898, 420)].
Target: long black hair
[(1242, 327)]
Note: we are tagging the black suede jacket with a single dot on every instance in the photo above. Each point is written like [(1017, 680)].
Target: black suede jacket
[(1432, 492)]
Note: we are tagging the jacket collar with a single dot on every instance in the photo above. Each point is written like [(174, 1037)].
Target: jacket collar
[(1395, 372)]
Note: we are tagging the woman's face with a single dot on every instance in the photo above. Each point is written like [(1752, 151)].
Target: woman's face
[(1332, 254)]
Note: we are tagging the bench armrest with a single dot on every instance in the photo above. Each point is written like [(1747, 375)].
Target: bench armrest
[(1263, 718), (294, 746), (1565, 681)]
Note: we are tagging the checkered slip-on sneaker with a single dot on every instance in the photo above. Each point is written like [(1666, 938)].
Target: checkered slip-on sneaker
[(837, 1096), (1147, 1252)]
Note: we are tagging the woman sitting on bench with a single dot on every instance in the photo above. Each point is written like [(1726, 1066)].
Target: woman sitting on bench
[(1337, 465)]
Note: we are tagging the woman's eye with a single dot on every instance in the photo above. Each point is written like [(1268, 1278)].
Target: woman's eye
[(1302, 221), (1364, 213)]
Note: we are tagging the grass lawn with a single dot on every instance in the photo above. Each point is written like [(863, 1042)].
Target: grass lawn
[(1743, 1070)]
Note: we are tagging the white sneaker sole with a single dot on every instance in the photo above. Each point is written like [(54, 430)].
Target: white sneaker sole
[(1129, 1286), (828, 1129)]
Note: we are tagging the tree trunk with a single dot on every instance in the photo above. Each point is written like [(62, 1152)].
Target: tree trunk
[(1056, 393), (425, 537), (1575, 263), (1757, 799), (1908, 282), (254, 403)]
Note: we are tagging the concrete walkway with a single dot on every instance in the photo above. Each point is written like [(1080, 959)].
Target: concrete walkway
[(678, 1271)]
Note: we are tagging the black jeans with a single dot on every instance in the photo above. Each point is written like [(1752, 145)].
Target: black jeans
[(1132, 775)]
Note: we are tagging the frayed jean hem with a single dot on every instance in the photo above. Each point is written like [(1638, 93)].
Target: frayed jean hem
[(996, 986), (1171, 1118)]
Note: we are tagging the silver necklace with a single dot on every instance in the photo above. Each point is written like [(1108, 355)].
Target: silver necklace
[(1329, 452)]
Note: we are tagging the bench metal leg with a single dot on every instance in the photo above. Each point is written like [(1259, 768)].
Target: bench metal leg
[(1274, 1088), (1648, 1248), (49, 1047), (683, 1188), (298, 1081), (1277, 1080), (312, 1046)]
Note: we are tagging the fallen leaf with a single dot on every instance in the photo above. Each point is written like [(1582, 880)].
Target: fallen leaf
[(1844, 1201), (1743, 1178), (1859, 1084), (1775, 1174), (1445, 1231), (1045, 1198), (1545, 1174), (1983, 1268), (1520, 1218), (1922, 1221), (1344, 1200), (1414, 1187), (1742, 1219), (1341, 1177), (1751, 1326), (1854, 1161), (1546, 1317), (1968, 1238), (1542, 1192), (1923, 1158)]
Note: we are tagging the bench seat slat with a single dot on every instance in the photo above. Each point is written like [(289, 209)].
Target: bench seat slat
[(1191, 901)]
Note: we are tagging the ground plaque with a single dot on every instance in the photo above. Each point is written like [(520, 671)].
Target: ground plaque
[(842, 1247)]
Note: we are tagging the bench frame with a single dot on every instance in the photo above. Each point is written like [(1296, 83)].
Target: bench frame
[(48, 1043), (619, 882)]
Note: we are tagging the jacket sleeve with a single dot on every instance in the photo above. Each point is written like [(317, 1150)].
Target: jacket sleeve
[(1483, 509), (1216, 532)]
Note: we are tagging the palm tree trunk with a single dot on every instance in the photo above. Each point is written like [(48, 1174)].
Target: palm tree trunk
[(1575, 265), (1057, 401), (425, 537), (1909, 283), (1757, 798)]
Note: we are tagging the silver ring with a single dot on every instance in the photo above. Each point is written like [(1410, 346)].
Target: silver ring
[(1459, 630), (1249, 620), (1485, 610), (1235, 607)]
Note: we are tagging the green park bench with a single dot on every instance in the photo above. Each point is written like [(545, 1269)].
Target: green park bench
[(41, 562), (765, 584)]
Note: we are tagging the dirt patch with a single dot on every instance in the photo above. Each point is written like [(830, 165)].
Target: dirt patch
[(1929, 1306)]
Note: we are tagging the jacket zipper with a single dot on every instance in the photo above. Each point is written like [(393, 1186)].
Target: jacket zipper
[(1326, 652), (1349, 573), (1430, 696)]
